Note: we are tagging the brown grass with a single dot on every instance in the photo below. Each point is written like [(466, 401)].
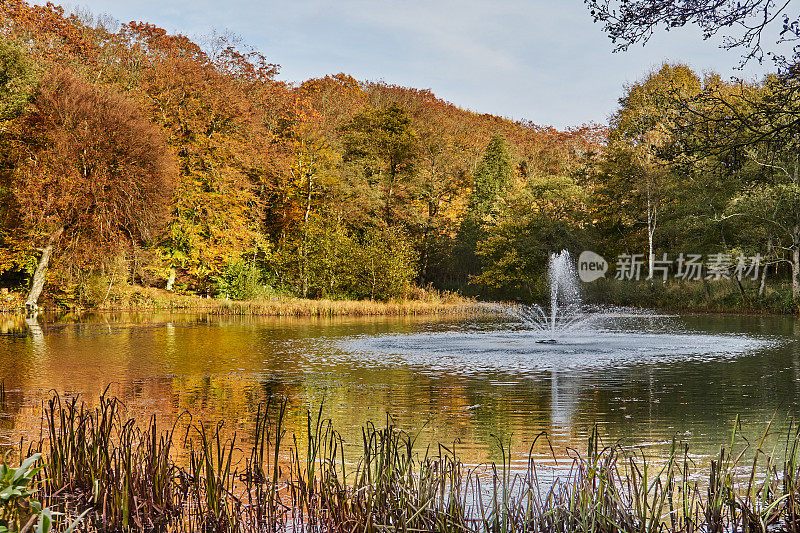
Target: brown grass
[(424, 303), (160, 300)]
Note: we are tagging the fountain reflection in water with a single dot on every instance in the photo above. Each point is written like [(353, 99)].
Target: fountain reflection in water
[(565, 312)]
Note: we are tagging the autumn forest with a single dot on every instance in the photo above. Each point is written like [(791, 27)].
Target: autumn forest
[(232, 302), (136, 158)]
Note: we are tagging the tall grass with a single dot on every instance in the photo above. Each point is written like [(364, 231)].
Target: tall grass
[(422, 303), (135, 478), (94, 458)]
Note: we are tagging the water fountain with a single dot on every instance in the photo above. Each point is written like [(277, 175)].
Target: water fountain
[(564, 336), (565, 313)]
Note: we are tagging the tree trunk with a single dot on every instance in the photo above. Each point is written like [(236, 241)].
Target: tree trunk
[(652, 220), (796, 243), (41, 273), (304, 257), (795, 271), (372, 292), (389, 193), (762, 288), (171, 280), (741, 289), (433, 209)]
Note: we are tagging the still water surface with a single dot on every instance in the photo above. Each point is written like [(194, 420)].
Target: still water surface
[(467, 382)]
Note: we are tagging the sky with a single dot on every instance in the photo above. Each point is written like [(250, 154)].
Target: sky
[(539, 60)]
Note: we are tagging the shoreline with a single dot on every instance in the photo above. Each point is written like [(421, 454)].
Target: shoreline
[(148, 299), (157, 300), (694, 298)]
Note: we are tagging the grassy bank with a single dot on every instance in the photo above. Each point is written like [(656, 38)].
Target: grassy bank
[(151, 299), (130, 477), (724, 296)]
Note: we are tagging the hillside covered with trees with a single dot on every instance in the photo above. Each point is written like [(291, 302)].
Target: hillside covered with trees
[(135, 157)]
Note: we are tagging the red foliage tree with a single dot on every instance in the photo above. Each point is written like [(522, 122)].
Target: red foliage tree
[(93, 176)]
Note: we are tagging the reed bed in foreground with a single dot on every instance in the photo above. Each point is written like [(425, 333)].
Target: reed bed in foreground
[(126, 477)]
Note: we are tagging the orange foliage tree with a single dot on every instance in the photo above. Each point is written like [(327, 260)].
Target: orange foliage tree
[(269, 174), (93, 175)]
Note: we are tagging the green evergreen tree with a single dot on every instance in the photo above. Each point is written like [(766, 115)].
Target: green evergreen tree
[(491, 179)]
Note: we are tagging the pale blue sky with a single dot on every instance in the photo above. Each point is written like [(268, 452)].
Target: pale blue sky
[(542, 60)]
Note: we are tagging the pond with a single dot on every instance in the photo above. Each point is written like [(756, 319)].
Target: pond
[(467, 382)]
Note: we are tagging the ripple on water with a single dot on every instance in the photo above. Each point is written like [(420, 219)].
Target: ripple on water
[(519, 351)]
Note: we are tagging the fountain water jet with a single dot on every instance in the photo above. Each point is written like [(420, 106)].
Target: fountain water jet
[(565, 312)]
